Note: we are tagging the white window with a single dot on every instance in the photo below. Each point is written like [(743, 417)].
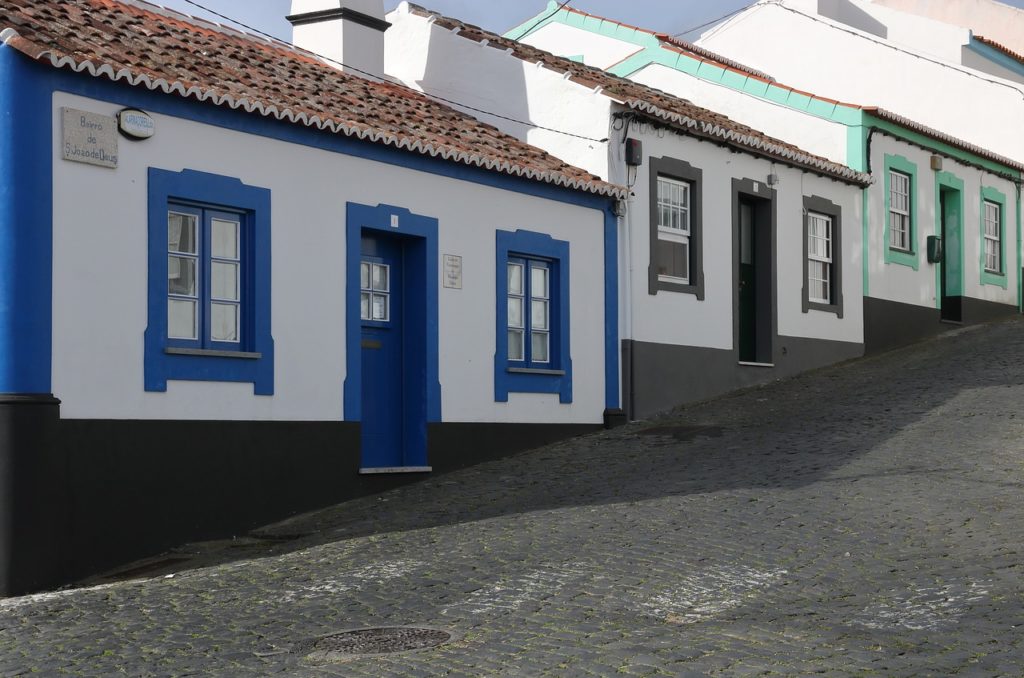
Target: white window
[(819, 258), (204, 276), (374, 291), (899, 211), (673, 206), (993, 237), (529, 311)]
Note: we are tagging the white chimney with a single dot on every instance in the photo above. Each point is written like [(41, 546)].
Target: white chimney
[(349, 34)]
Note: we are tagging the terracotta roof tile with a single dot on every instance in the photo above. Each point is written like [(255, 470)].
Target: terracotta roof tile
[(1000, 47), (149, 46), (653, 103)]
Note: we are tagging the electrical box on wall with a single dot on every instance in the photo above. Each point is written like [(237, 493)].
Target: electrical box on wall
[(934, 249), (634, 152)]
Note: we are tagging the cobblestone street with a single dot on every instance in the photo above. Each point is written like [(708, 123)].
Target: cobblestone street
[(861, 520)]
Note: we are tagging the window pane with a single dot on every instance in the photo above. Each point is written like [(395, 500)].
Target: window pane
[(380, 277), (224, 322), (515, 312), (364, 276), (181, 232), (364, 306), (225, 280), (539, 314), (538, 282), (515, 279), (674, 259), (539, 347), (380, 307), (181, 319), (224, 239), (515, 344), (181, 276)]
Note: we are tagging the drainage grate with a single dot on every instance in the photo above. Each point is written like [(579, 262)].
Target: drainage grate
[(383, 640)]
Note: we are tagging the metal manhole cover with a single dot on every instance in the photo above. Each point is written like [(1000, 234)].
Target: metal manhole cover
[(383, 640)]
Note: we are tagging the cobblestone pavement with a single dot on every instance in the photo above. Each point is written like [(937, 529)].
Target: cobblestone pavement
[(861, 520)]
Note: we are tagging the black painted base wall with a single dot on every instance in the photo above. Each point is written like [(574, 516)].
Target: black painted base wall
[(82, 496), (665, 376), (892, 324)]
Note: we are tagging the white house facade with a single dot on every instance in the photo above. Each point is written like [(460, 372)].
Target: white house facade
[(718, 288), (927, 184), (235, 291)]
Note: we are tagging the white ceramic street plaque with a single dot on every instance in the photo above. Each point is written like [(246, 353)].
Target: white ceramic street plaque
[(90, 137), (452, 272)]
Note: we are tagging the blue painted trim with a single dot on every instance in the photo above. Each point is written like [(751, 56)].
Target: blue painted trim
[(224, 192), (26, 227), (531, 244), (611, 310), (357, 218), (297, 133), (995, 56)]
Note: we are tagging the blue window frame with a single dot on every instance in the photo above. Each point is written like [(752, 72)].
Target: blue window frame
[(209, 281), (532, 328)]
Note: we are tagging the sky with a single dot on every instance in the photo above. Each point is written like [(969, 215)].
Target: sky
[(670, 16)]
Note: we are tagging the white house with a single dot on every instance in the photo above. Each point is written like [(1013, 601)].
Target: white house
[(741, 253), (862, 52), (927, 184), (239, 282)]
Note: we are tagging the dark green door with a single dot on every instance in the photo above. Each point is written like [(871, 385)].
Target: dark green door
[(747, 285), (951, 275)]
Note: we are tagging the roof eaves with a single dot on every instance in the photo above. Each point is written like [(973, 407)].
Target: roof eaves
[(746, 142), (10, 37), (568, 69), (947, 139)]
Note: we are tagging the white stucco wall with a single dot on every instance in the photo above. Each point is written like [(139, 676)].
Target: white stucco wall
[(100, 279), (994, 20), (434, 60), (598, 50), (681, 319), (816, 135), (897, 282), (848, 66)]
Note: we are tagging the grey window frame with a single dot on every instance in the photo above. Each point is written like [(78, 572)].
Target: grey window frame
[(825, 207), (679, 170)]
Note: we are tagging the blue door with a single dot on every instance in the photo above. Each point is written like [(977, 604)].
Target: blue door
[(380, 310)]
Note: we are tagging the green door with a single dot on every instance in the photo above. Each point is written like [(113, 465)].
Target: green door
[(951, 275)]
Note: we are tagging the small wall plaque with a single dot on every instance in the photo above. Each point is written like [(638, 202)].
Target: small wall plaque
[(89, 137), (135, 124), (452, 275)]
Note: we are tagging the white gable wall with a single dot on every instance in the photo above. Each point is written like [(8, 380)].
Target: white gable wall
[(100, 279), (436, 61), (598, 50), (839, 64), (816, 135)]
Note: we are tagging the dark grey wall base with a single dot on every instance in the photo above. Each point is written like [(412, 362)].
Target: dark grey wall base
[(81, 496), (891, 324), (665, 376)]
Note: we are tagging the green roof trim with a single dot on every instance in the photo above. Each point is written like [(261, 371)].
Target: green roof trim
[(655, 53), (924, 141)]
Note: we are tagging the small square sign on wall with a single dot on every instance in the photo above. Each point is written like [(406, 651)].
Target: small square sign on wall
[(452, 273)]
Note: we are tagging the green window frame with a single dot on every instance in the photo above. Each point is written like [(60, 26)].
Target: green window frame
[(897, 163), (992, 195)]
